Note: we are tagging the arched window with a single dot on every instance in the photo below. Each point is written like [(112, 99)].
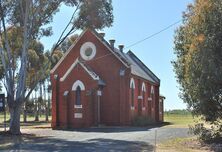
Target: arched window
[(78, 96), (152, 93), (132, 89), (132, 97), (144, 99), (143, 93), (78, 87), (152, 90), (76, 84)]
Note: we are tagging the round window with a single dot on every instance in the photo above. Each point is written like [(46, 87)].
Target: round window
[(88, 51)]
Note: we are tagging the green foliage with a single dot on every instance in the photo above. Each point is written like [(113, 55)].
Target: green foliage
[(198, 66), (30, 107), (67, 43), (24, 22), (95, 14), (142, 121), (15, 41), (57, 55), (35, 54), (213, 134)]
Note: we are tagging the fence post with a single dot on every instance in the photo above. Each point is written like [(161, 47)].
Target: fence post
[(155, 139)]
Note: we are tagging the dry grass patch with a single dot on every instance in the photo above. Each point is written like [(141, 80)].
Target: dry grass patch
[(187, 145)]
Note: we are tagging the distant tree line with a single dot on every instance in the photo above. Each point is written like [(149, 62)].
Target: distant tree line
[(178, 112)]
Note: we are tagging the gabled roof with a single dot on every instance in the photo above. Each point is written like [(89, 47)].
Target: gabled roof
[(86, 68), (96, 34), (128, 59), (116, 53), (140, 65), (66, 53), (137, 66), (138, 71)]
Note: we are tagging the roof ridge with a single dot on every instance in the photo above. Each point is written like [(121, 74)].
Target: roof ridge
[(110, 47)]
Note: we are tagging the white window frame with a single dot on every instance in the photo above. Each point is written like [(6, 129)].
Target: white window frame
[(85, 46), (132, 86), (74, 87), (78, 106), (143, 93)]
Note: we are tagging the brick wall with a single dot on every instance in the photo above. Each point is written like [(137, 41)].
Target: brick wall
[(115, 99)]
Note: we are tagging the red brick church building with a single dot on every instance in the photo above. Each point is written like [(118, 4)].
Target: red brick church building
[(96, 83)]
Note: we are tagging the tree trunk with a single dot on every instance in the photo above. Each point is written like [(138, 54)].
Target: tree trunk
[(46, 104), (24, 113), (40, 99), (49, 99), (36, 108), (49, 105), (14, 126), (46, 112)]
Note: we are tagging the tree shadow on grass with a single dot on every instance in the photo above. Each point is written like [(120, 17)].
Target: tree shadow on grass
[(30, 143)]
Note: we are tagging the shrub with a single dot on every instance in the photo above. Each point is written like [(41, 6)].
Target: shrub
[(210, 134)]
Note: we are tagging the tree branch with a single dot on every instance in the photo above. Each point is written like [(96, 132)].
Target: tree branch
[(8, 49), (61, 39), (22, 71)]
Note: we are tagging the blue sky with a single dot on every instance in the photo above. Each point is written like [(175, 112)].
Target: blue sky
[(134, 21)]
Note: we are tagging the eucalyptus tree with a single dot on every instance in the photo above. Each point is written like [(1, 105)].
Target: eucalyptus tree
[(64, 46), (32, 18), (1, 75), (36, 60), (198, 64)]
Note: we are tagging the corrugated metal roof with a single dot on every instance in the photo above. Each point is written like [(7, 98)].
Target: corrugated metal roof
[(143, 67), (138, 68), (138, 71)]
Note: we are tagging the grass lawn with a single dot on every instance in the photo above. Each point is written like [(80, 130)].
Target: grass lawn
[(30, 122), (179, 120)]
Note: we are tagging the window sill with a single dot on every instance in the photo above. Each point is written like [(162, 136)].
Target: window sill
[(77, 106), (78, 115), (150, 99), (140, 97)]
